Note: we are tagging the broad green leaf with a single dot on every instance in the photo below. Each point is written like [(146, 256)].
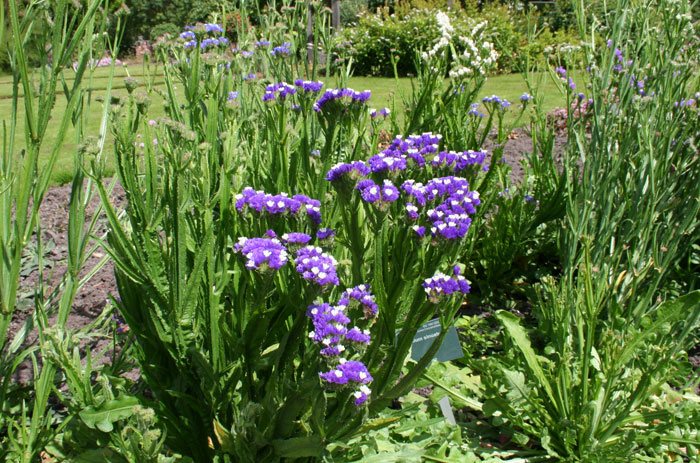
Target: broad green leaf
[(298, 447), (104, 416), (517, 333)]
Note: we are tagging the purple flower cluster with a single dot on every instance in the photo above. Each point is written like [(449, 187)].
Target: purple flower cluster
[(282, 50), (525, 97), (474, 111), (622, 63), (325, 234), (348, 371), (414, 147), (459, 161), (496, 101), (450, 219), (684, 103), (233, 95), (372, 193), (206, 33), (278, 91), (296, 238), (309, 86), (441, 285), (262, 43), (316, 266), (343, 95), (188, 35), (213, 28), (262, 253), (364, 297), (331, 330), (384, 112), (279, 204), (387, 162), (353, 170)]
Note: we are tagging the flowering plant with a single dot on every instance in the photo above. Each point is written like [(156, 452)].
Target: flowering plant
[(274, 295)]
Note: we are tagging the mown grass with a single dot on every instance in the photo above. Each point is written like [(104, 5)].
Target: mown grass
[(384, 91)]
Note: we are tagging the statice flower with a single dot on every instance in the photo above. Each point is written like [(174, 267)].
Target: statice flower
[(262, 253), (188, 35), (495, 101), (282, 50), (341, 95), (329, 326), (278, 91), (525, 97), (361, 395), (373, 193), (324, 234), (316, 266), (414, 147), (280, 204), (348, 371), (296, 238), (474, 111), (459, 161), (248, 54), (309, 86), (450, 219), (360, 294), (262, 43), (357, 335), (213, 28), (384, 112), (561, 71), (441, 285), (353, 170), (387, 162), (411, 211), (233, 95)]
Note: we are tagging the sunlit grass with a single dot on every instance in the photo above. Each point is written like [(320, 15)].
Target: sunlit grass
[(384, 92)]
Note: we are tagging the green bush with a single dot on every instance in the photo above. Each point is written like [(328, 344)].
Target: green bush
[(371, 43), (377, 37)]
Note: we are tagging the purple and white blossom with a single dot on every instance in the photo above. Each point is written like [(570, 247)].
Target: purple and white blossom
[(279, 204), (343, 96), (279, 91), (360, 294), (316, 266), (262, 253), (441, 285)]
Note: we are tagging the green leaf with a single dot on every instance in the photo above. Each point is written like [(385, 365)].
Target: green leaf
[(224, 437), (512, 325), (298, 447), (104, 416)]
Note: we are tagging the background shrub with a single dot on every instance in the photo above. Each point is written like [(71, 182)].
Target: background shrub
[(375, 37)]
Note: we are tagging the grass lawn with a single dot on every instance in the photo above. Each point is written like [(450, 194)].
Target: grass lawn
[(383, 90)]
